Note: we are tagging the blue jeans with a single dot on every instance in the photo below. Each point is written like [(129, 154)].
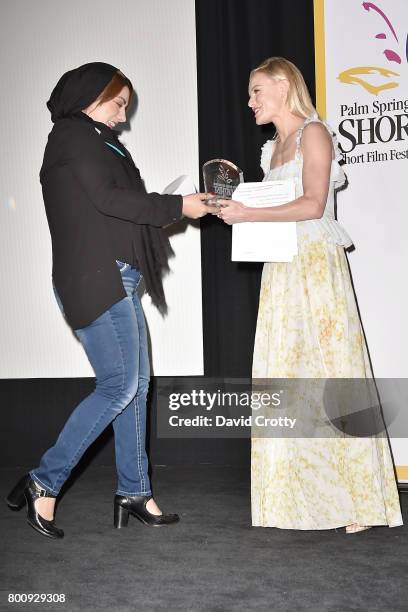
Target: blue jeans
[(116, 346)]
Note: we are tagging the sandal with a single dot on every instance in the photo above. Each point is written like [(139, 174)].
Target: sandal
[(355, 528)]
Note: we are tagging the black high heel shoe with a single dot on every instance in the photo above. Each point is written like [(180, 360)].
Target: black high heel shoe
[(27, 491), (123, 506)]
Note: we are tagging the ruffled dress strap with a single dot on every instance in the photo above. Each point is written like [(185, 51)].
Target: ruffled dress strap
[(337, 176), (266, 155)]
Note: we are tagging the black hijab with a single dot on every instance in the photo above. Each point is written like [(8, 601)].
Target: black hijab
[(78, 88), (75, 91)]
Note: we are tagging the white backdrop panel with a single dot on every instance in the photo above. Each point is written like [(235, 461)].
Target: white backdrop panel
[(374, 206), (154, 44)]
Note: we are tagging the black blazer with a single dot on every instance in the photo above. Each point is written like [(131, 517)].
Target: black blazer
[(98, 211)]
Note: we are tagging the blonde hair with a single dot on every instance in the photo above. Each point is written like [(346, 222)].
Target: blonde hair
[(279, 68)]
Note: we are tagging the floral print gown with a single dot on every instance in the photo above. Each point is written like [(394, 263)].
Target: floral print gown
[(308, 327)]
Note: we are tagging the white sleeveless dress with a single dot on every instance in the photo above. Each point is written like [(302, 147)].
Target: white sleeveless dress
[(308, 327)]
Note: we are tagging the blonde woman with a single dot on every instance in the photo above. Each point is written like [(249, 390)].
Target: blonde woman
[(308, 325)]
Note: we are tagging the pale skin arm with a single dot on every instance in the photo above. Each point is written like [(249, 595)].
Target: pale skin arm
[(317, 152)]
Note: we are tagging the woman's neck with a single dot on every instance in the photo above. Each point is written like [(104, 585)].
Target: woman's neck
[(287, 124)]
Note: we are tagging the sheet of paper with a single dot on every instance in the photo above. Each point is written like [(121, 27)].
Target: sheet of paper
[(264, 240), (183, 185)]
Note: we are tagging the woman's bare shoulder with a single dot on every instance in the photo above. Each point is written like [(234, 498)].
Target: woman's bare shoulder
[(315, 132)]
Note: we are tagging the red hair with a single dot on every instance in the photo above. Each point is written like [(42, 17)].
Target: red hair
[(115, 85)]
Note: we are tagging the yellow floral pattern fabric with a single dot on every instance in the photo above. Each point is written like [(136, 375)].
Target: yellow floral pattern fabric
[(309, 327)]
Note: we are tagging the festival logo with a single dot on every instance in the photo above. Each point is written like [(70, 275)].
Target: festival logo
[(376, 79), (223, 175)]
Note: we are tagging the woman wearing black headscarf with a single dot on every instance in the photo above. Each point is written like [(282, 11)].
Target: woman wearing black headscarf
[(106, 234)]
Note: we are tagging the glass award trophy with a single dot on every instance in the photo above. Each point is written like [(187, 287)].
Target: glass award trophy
[(221, 178)]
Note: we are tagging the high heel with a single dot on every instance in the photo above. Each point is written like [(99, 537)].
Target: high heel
[(120, 516), (28, 491), (136, 506), (16, 498)]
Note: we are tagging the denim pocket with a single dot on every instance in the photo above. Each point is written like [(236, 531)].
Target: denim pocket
[(121, 265)]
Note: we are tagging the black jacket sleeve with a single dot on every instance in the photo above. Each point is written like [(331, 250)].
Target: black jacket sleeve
[(113, 200), (111, 183)]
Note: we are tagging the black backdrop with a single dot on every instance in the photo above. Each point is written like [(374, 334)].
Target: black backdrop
[(233, 36)]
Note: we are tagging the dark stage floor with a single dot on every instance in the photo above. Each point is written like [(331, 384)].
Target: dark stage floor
[(211, 561)]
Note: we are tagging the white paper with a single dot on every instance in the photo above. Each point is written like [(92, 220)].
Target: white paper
[(264, 240), (183, 185)]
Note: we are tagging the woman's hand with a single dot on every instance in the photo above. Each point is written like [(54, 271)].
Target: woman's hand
[(232, 211), (194, 206)]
